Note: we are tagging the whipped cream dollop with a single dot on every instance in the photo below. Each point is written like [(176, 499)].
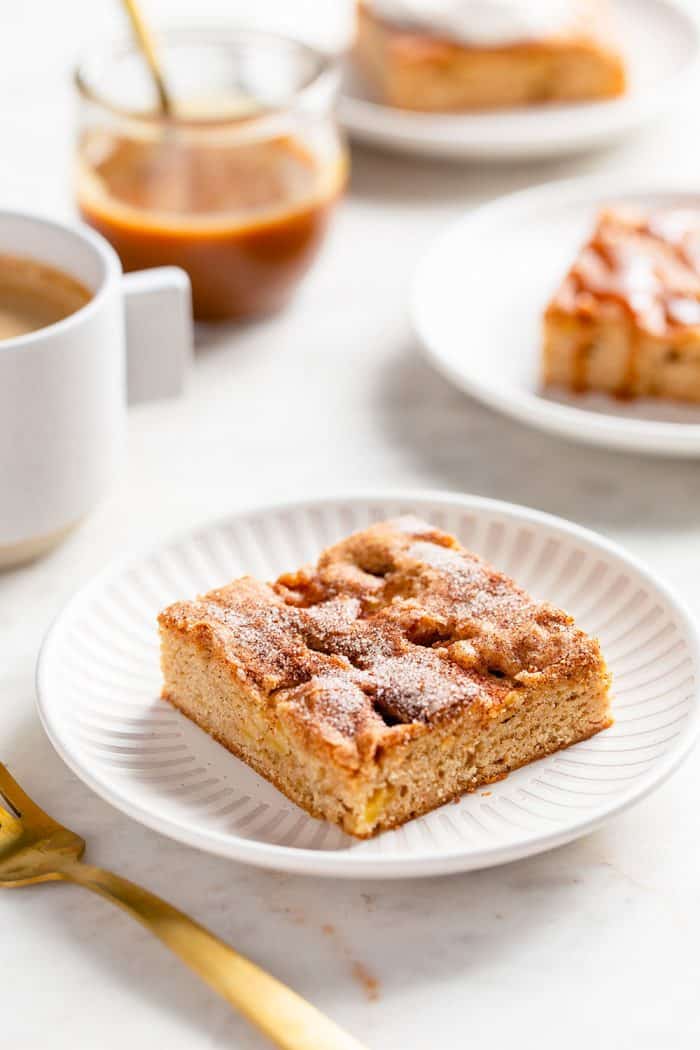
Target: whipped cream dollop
[(479, 22)]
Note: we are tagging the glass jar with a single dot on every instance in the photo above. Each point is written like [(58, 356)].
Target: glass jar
[(236, 187)]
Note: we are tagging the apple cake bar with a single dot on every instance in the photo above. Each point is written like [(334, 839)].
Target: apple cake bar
[(397, 673), (626, 318), (415, 60)]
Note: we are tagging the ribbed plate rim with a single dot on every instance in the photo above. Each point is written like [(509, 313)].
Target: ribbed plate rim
[(348, 864)]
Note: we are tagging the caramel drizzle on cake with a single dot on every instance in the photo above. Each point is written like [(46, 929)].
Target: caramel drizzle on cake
[(645, 265)]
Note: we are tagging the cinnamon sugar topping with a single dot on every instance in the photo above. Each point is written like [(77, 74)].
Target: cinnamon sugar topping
[(396, 626)]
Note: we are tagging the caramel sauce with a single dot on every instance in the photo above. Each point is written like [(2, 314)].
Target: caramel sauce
[(647, 265), (245, 221)]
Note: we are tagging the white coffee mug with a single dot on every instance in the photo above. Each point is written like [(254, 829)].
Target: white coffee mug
[(63, 388)]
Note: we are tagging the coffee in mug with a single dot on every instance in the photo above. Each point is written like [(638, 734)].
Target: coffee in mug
[(34, 295)]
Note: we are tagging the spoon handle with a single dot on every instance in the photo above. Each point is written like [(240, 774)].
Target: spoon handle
[(150, 53), (285, 1018)]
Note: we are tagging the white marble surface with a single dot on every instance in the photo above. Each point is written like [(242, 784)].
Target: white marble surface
[(593, 945)]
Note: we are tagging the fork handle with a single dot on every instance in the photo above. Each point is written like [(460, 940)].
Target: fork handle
[(284, 1017)]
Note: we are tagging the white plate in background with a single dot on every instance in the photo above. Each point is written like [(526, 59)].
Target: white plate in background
[(477, 304), (661, 42), (98, 685)]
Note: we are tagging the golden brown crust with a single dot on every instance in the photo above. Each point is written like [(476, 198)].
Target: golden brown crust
[(626, 318), (424, 70), (395, 629), (396, 673)]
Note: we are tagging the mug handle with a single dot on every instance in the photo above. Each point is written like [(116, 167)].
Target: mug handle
[(158, 313)]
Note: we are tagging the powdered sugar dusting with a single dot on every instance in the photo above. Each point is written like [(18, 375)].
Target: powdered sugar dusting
[(335, 702), (420, 684), (437, 629), (411, 525)]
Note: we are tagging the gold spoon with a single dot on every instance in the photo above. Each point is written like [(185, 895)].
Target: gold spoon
[(34, 848), (150, 53)]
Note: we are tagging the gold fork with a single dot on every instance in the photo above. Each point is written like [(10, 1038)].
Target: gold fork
[(34, 848)]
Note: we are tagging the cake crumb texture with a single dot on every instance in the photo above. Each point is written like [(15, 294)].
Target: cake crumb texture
[(398, 672)]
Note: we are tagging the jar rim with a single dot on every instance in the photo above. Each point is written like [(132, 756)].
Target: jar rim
[(318, 86)]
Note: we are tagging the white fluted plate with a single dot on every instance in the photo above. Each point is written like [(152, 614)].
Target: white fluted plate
[(98, 685)]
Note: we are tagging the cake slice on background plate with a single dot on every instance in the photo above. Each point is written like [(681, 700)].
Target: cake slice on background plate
[(461, 55), (626, 318)]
